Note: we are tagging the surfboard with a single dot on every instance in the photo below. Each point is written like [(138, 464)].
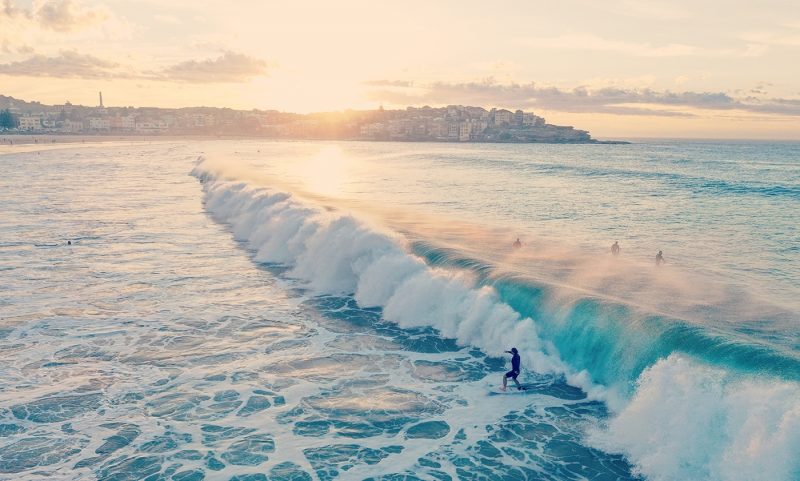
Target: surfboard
[(496, 391)]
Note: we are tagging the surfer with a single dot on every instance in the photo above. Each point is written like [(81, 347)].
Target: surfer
[(514, 372), (659, 258), (517, 244), (615, 248)]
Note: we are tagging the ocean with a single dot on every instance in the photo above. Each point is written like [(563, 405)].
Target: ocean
[(260, 310)]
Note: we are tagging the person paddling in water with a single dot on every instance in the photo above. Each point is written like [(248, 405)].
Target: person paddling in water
[(615, 248), (514, 372), (659, 258), (517, 244)]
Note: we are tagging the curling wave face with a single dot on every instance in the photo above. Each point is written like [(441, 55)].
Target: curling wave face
[(689, 402)]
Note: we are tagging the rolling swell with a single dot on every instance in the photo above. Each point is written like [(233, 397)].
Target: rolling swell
[(688, 403)]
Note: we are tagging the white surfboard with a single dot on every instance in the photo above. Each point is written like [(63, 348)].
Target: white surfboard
[(497, 390)]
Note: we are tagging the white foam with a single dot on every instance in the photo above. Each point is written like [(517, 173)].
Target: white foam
[(690, 421)]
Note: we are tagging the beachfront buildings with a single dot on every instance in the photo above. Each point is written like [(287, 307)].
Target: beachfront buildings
[(30, 123), (454, 123)]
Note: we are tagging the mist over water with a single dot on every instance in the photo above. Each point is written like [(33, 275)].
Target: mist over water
[(340, 311)]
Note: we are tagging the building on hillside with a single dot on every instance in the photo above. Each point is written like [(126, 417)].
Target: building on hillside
[(30, 123), (503, 117), (464, 131), (453, 130), (373, 130)]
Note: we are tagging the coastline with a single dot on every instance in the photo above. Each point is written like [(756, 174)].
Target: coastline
[(10, 139)]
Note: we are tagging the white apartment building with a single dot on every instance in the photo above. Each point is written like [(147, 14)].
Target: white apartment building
[(29, 122), (151, 126), (503, 116), (528, 118), (72, 126), (99, 124), (464, 131), (200, 120), (453, 130), (124, 122)]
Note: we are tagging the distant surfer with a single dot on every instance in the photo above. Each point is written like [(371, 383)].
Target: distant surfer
[(514, 372), (659, 258), (615, 248), (517, 244), (69, 242)]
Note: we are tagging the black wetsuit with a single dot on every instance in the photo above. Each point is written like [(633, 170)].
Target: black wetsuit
[(514, 372)]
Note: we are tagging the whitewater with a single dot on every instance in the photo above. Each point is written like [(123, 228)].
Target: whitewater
[(305, 310)]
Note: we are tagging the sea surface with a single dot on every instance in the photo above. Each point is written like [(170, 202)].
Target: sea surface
[(291, 311)]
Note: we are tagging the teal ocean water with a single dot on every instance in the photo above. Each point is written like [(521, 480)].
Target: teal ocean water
[(254, 310)]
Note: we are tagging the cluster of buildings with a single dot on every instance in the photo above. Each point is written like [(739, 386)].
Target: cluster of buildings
[(72, 119), (466, 124), (107, 122), (454, 123), (33, 117)]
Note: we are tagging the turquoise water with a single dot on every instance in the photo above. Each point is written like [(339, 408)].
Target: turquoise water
[(313, 310)]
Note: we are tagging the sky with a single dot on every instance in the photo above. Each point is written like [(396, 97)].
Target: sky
[(618, 68)]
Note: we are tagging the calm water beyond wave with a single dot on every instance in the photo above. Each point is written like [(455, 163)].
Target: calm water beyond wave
[(253, 310)]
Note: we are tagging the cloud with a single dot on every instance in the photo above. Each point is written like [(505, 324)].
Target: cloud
[(779, 39), (12, 11), (66, 15), (168, 19), (626, 101), (230, 67), (594, 43), (67, 64), (651, 10), (56, 15), (389, 83)]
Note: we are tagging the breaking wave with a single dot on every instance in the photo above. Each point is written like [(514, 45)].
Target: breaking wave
[(689, 402)]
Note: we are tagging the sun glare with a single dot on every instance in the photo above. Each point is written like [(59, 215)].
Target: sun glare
[(326, 172)]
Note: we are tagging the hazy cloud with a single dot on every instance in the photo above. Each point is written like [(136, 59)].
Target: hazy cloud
[(57, 15), (67, 64), (649, 9), (66, 15), (230, 67), (579, 100), (594, 43), (389, 83), (779, 39), (12, 11), (169, 19)]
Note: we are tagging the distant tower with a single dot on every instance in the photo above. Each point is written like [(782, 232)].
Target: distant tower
[(101, 100)]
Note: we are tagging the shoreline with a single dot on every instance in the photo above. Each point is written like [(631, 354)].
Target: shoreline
[(15, 138)]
